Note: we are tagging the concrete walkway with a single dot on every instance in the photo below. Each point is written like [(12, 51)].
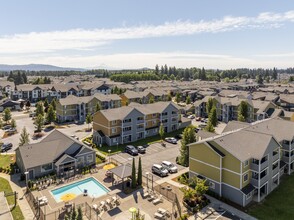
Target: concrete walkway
[(22, 202), (5, 213)]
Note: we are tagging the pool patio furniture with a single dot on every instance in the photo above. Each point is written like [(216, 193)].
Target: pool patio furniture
[(158, 200), (115, 200), (162, 211), (85, 192)]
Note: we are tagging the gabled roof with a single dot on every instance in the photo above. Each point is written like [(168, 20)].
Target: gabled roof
[(48, 150), (64, 159)]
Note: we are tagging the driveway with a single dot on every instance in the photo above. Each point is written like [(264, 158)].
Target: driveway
[(155, 154)]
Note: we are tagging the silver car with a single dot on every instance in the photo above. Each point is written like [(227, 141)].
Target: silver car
[(169, 166)]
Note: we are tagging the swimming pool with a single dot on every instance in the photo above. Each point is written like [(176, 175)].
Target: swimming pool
[(93, 187)]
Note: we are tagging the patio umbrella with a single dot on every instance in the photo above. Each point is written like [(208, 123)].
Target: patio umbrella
[(108, 166), (67, 197), (133, 210)]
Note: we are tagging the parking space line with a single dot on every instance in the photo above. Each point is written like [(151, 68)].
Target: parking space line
[(160, 148), (117, 155), (220, 215)]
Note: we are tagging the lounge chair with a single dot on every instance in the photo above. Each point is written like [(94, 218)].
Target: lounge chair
[(146, 194), (95, 206), (115, 200), (158, 200)]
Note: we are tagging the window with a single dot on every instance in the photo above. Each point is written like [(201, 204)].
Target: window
[(211, 185), (275, 165), (164, 113), (90, 158), (127, 128), (140, 118), (113, 122), (153, 122), (275, 152), (46, 167), (114, 140), (80, 161), (113, 130), (245, 177), (246, 163), (127, 120), (140, 126), (153, 115)]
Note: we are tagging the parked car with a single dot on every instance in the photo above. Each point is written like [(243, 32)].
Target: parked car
[(11, 130), (6, 127), (198, 119), (131, 150), (159, 170), (171, 140), (145, 145), (32, 114), (206, 120), (141, 149), (191, 116), (6, 146), (169, 166)]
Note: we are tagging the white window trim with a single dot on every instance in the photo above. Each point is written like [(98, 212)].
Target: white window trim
[(113, 130), (248, 196), (246, 163), (90, 161), (113, 122), (244, 177), (44, 171)]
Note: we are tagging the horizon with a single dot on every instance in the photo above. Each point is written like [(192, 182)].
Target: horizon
[(214, 35)]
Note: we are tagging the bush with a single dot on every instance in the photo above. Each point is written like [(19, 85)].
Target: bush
[(103, 159)]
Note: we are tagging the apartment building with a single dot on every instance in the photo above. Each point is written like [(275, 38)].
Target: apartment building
[(227, 108), (74, 108), (242, 165), (134, 122)]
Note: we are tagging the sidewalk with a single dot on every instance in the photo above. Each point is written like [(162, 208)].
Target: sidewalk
[(5, 213), (22, 202)]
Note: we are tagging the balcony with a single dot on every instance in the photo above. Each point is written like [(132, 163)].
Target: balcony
[(140, 129), (254, 182), (263, 164), (263, 179), (286, 146), (127, 132), (254, 166), (275, 170), (275, 156), (140, 121)]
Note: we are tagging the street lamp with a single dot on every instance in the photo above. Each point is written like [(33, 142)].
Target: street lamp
[(109, 155), (26, 174), (147, 174)]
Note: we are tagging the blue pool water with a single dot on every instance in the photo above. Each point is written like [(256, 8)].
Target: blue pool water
[(94, 188)]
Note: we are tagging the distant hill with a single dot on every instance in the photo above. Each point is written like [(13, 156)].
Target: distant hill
[(37, 67)]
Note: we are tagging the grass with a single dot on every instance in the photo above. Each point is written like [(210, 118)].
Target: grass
[(15, 211), (5, 160), (278, 204), (149, 140)]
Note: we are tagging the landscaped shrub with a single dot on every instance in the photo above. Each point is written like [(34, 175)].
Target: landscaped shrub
[(103, 159)]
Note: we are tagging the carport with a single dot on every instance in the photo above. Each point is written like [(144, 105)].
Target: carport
[(122, 172)]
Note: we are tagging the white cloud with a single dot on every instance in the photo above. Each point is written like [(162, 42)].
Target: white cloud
[(81, 39), (139, 60)]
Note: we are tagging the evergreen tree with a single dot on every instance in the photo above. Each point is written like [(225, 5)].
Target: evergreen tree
[(169, 97), (53, 103), (243, 111), (134, 182), (39, 122), (74, 213), (178, 97), (188, 100), (28, 105), (80, 214), (139, 179), (188, 138), (24, 137), (275, 74), (88, 120), (51, 115), (209, 105), (13, 123), (213, 116), (161, 131), (97, 107), (209, 127), (6, 115), (40, 109), (24, 77), (46, 104), (156, 69)]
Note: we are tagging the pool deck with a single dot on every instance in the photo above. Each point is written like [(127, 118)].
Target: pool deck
[(120, 212)]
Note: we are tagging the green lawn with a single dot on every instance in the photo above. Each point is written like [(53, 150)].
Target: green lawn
[(278, 204), (16, 212), (5, 160), (114, 149)]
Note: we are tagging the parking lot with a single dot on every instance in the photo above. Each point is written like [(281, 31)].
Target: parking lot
[(155, 154), (23, 120)]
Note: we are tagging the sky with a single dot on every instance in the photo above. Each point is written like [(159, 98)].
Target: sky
[(218, 34)]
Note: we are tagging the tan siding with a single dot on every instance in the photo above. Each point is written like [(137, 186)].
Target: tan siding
[(231, 178), (102, 123), (204, 153), (205, 170)]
